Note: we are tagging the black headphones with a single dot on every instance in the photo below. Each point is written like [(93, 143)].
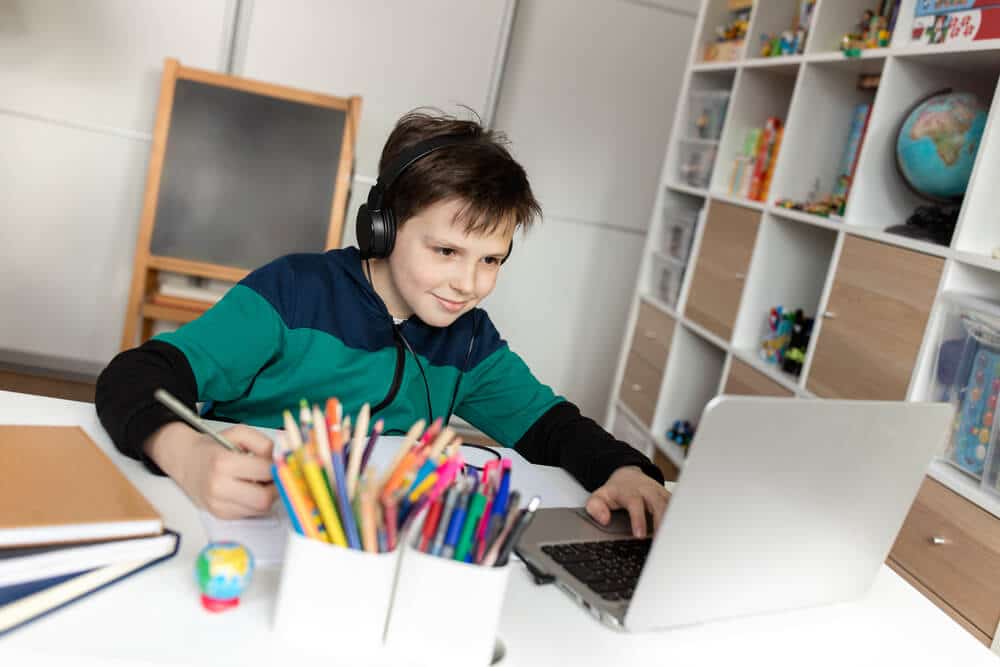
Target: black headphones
[(376, 223)]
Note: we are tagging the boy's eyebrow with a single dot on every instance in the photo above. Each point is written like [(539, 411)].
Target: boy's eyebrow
[(433, 240)]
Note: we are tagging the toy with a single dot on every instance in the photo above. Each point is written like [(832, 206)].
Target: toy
[(682, 432), (795, 355), (223, 571), (779, 325)]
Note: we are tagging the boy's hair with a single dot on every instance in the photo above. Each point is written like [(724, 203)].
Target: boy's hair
[(481, 173)]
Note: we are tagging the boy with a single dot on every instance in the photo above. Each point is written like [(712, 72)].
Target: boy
[(393, 324)]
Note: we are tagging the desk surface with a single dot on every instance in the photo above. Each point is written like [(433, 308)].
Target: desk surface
[(154, 618)]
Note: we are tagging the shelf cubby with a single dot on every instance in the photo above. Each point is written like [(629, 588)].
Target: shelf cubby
[(772, 17), (716, 13), (704, 90), (789, 268), (759, 93), (835, 18), (818, 126), (880, 197), (692, 379)]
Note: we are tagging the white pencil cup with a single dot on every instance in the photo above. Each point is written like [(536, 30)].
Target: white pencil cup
[(444, 613), (327, 588)]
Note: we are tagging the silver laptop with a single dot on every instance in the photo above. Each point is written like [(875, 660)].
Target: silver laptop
[(782, 504)]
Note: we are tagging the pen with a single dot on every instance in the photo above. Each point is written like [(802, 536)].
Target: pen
[(182, 411), (449, 505), (520, 525), (499, 521), (455, 525), (430, 525)]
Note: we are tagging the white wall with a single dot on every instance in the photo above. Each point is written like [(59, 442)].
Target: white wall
[(587, 97)]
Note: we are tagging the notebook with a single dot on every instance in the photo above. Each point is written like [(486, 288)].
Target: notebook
[(24, 602), (57, 486), (25, 564)]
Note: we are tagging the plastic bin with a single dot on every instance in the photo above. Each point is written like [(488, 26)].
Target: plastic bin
[(706, 114), (678, 232), (694, 166), (967, 374), (666, 275)]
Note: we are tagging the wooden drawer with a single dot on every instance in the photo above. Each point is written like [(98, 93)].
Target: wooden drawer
[(654, 330), (721, 267), (964, 570), (640, 388), (875, 320), (745, 380)]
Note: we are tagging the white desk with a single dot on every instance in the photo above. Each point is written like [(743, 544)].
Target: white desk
[(154, 617)]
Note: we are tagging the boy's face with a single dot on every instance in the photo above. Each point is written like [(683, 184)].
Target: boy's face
[(437, 270)]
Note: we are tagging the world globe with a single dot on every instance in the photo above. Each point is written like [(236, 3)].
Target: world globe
[(937, 144)]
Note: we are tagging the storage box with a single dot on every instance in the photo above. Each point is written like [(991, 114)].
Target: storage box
[(334, 601), (445, 613), (967, 374), (666, 275), (694, 164), (678, 231), (706, 114)]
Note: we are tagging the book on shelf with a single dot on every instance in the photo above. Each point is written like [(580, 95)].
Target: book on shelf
[(59, 487), (960, 21), (852, 148)]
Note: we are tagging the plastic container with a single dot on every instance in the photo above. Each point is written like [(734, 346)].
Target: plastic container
[(666, 275), (706, 114), (334, 601), (678, 231), (626, 430), (967, 375), (694, 165)]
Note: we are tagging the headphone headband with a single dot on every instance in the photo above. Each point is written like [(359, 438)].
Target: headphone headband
[(407, 158)]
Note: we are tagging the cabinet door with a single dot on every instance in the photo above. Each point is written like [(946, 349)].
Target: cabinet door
[(654, 330), (640, 388), (952, 547), (745, 380), (874, 322), (723, 259)]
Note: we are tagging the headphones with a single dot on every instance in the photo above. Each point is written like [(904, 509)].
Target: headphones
[(376, 223)]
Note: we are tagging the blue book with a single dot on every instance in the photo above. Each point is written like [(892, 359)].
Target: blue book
[(854, 136), (26, 601)]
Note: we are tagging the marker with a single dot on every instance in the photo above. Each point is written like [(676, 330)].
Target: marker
[(182, 411), (506, 524), (430, 526), (520, 525), (475, 511), (455, 525)]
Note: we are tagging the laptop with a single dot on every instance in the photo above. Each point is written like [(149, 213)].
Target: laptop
[(783, 503)]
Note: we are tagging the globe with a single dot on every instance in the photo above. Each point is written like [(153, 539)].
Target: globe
[(937, 144), (223, 570)]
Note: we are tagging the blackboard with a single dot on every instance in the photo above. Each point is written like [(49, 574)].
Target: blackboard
[(246, 177)]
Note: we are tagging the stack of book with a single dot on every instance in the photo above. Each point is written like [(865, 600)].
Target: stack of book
[(754, 165), (70, 522)]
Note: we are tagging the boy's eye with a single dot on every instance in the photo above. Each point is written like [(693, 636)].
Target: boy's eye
[(491, 260), (445, 252)]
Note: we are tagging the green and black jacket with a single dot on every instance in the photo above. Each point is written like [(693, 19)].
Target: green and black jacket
[(311, 326)]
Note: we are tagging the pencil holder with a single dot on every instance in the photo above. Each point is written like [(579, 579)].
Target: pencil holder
[(444, 612), (334, 596)]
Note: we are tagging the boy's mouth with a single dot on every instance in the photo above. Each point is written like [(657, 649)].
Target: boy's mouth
[(450, 306)]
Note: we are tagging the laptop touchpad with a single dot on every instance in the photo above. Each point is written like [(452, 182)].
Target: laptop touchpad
[(620, 524)]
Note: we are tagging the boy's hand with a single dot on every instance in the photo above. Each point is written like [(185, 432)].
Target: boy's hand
[(631, 489), (225, 483)]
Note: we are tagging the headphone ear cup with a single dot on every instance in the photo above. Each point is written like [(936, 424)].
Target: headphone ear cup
[(389, 231), (363, 231)]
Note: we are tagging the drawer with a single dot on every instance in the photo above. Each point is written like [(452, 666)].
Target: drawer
[(640, 388), (721, 267), (745, 380), (654, 330), (870, 335), (964, 569)]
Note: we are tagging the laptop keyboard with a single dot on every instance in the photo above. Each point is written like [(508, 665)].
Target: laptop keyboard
[(610, 568)]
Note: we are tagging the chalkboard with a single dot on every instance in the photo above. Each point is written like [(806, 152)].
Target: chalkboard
[(241, 172), (246, 177)]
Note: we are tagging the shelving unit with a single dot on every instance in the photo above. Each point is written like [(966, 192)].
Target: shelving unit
[(876, 295)]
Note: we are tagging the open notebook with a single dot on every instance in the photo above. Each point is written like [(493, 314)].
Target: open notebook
[(57, 486)]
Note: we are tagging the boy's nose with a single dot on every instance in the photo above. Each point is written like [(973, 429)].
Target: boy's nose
[(464, 280)]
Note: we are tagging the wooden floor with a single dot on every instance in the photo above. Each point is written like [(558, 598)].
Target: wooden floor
[(46, 386)]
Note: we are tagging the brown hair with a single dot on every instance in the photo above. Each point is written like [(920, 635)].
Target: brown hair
[(480, 173)]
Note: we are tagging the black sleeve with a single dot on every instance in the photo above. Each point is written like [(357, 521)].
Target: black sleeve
[(124, 395), (565, 438)]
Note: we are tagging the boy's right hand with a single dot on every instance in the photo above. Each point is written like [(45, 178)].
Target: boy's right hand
[(227, 484)]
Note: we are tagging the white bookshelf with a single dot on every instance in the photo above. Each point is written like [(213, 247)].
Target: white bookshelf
[(796, 255)]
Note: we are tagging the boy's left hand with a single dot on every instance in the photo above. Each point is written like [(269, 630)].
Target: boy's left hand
[(631, 489)]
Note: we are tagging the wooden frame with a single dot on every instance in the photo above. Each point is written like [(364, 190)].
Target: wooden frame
[(145, 304)]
